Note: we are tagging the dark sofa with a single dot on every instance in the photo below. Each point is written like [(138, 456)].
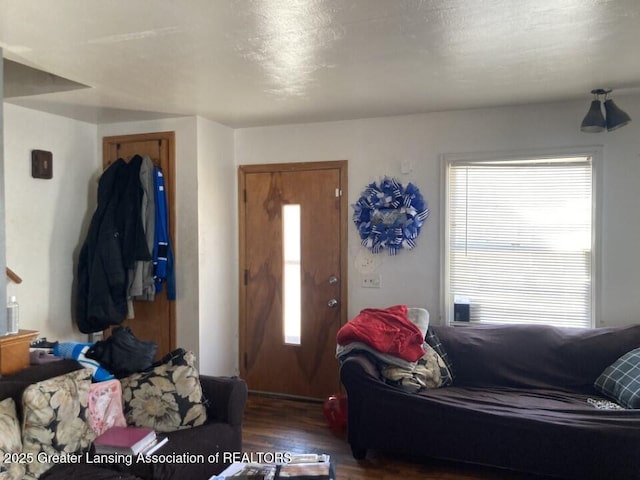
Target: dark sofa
[(222, 432), (522, 399)]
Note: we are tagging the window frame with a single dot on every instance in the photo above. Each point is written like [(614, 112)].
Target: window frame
[(596, 152)]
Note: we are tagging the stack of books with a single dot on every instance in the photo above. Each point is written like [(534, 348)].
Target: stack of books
[(128, 441)]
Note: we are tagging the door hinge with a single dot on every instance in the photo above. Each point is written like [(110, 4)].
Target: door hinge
[(338, 192), (246, 276)]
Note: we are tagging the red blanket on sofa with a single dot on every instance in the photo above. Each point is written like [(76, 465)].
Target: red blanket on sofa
[(387, 330)]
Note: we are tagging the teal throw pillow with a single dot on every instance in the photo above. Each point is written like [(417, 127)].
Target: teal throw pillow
[(620, 381)]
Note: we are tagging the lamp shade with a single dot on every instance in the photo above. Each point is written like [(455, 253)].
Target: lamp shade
[(616, 118), (594, 121)]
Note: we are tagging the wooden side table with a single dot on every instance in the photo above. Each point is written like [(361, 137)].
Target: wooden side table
[(14, 351)]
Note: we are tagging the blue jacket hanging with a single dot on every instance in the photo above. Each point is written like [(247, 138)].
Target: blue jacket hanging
[(163, 269)]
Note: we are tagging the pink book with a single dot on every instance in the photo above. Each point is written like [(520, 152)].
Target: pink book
[(130, 440)]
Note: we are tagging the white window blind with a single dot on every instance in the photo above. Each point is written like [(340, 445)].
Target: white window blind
[(519, 244)]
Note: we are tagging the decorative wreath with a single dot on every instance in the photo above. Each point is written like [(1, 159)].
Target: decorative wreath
[(389, 215)]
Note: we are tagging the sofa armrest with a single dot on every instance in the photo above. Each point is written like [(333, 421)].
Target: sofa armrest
[(365, 362), (227, 397), (357, 368)]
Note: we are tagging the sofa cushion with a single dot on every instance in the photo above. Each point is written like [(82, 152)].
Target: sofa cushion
[(166, 398), (621, 380), (55, 417), (10, 441), (537, 356)]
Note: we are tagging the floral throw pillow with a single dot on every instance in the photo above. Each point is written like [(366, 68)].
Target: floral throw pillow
[(55, 418), (12, 467), (167, 397)]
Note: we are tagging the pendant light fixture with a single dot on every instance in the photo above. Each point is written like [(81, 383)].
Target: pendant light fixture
[(594, 121)]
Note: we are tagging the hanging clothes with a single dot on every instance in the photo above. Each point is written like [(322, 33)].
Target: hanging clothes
[(141, 284), (162, 252), (115, 241), (134, 243)]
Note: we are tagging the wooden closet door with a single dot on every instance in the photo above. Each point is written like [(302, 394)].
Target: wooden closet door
[(154, 321)]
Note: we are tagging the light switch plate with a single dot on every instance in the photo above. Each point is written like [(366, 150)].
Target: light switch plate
[(372, 281)]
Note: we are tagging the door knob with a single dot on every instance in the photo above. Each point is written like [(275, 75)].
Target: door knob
[(333, 280), (333, 303)]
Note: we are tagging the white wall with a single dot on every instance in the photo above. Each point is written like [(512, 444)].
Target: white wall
[(217, 249), (46, 220), (376, 147), (186, 248), (206, 246)]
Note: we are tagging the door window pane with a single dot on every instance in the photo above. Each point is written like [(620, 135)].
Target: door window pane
[(292, 274)]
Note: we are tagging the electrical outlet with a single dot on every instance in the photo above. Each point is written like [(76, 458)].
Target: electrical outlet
[(372, 281)]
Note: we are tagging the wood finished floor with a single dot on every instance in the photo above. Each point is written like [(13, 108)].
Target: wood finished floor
[(283, 425)]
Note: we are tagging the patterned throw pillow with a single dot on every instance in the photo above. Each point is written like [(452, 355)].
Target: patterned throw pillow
[(620, 381), (433, 341), (55, 418), (105, 406), (429, 371), (166, 398), (10, 442)]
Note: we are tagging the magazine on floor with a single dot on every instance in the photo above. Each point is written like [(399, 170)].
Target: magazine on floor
[(248, 471), (302, 466)]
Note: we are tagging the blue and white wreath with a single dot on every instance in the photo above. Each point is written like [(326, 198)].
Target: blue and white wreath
[(390, 216)]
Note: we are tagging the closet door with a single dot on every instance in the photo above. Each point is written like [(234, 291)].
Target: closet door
[(154, 321)]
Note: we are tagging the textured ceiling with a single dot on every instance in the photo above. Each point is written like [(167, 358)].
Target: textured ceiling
[(258, 62)]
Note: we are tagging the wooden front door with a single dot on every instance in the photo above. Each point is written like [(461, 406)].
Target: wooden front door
[(293, 294), (153, 321)]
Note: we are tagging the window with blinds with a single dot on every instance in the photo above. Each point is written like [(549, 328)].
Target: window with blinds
[(519, 240)]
